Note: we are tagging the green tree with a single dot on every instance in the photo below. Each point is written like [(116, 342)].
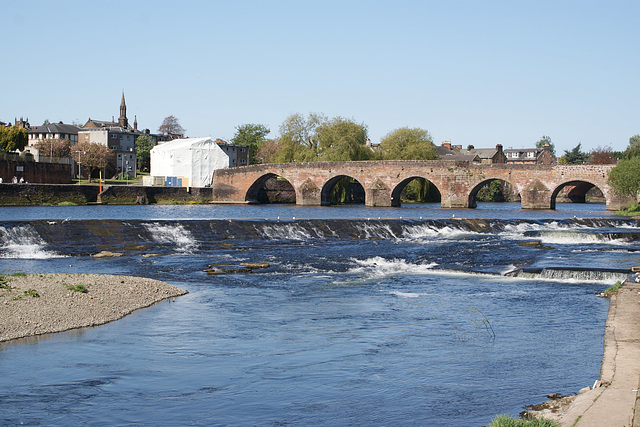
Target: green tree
[(144, 144), (546, 140), (13, 138), (408, 144), (633, 149), (575, 156), (341, 140), (54, 147), (252, 135), (94, 156), (625, 177), (298, 138)]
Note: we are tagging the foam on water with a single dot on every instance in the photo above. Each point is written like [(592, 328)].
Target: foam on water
[(568, 237), (427, 231), (174, 234), (285, 232), (24, 242)]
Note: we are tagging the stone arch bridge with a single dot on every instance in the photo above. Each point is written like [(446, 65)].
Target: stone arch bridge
[(383, 181)]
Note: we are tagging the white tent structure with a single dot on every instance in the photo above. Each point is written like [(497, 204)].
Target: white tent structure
[(192, 158)]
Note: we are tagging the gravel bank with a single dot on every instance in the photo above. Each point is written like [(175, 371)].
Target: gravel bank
[(58, 308)]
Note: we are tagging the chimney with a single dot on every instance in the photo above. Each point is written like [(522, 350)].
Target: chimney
[(447, 144), (470, 147), (499, 148)]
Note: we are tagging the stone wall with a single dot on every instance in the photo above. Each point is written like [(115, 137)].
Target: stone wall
[(133, 194), (53, 194), (46, 194), (34, 172)]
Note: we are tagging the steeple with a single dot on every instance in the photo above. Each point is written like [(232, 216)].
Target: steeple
[(135, 122), (122, 120)]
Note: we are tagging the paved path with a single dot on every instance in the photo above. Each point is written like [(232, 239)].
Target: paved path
[(615, 403)]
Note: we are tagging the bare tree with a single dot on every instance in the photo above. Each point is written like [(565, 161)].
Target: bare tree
[(602, 156), (171, 126)]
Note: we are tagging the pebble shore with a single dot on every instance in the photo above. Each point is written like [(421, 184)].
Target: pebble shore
[(37, 304)]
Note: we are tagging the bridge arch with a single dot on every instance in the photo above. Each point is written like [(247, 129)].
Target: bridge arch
[(506, 185), (456, 181), (399, 188), (261, 189), (354, 190), (578, 192)]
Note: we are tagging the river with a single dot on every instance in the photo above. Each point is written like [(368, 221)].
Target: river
[(389, 316)]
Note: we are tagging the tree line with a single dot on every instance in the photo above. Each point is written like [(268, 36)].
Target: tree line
[(318, 138)]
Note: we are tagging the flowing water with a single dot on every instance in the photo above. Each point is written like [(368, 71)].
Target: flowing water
[(409, 316)]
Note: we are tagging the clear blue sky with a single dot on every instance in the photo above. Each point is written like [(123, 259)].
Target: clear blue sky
[(472, 72)]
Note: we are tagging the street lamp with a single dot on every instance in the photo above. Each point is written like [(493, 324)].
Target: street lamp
[(79, 170)]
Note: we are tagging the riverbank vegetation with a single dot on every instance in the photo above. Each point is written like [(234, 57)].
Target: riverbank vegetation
[(612, 290), (632, 210), (625, 177), (507, 421)]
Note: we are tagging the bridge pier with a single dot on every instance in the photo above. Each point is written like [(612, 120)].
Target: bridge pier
[(615, 202), (536, 196), (451, 201), (309, 194), (379, 194)]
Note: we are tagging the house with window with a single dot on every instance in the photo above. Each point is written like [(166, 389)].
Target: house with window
[(120, 136), (530, 156), (447, 151), (50, 132)]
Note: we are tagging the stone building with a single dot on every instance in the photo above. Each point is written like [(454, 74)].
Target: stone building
[(120, 137), (530, 156), (447, 151)]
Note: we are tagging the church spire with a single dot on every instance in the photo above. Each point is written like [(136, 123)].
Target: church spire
[(122, 120)]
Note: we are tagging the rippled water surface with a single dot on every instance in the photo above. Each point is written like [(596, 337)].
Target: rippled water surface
[(421, 320)]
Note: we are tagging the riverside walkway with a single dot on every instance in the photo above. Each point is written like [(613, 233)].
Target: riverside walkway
[(617, 401)]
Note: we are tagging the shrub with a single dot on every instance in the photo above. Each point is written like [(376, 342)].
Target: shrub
[(77, 288), (612, 290), (3, 283), (507, 421), (32, 293), (632, 210)]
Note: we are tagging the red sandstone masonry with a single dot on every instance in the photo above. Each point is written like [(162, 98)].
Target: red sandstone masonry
[(458, 182)]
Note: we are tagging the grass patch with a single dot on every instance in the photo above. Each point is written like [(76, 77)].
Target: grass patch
[(612, 290), (18, 275), (632, 210), (507, 421), (32, 293), (4, 284), (77, 288), (67, 203)]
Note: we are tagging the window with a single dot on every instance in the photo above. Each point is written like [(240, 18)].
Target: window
[(242, 149), (242, 161)]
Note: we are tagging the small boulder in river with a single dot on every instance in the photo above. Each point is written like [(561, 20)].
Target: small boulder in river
[(228, 268)]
